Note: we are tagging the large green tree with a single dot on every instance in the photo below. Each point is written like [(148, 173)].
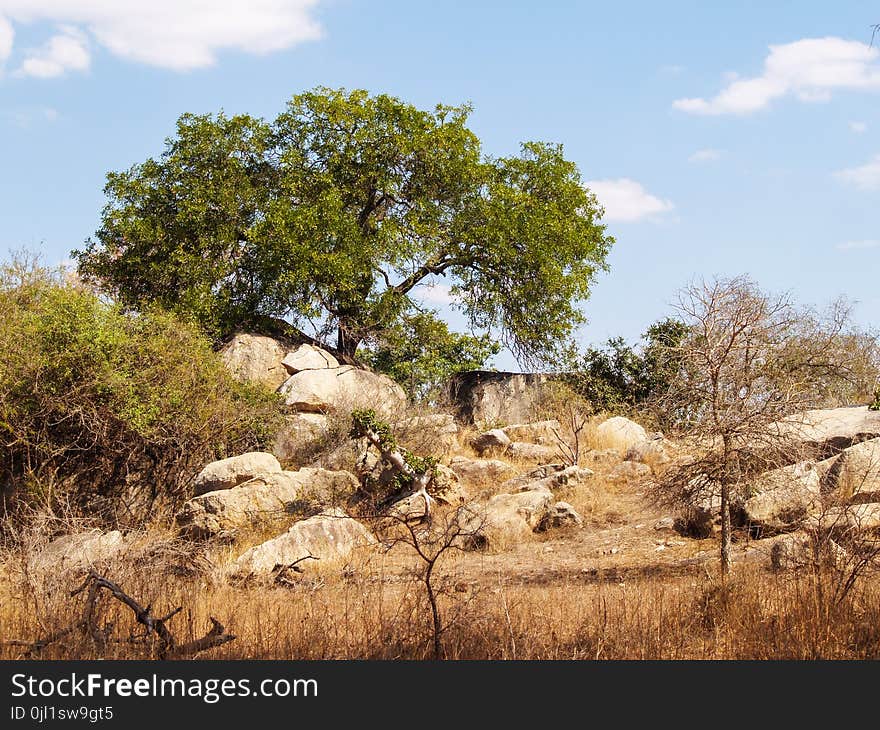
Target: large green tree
[(329, 217)]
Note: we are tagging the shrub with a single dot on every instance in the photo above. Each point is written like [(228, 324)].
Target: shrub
[(619, 377), (110, 412)]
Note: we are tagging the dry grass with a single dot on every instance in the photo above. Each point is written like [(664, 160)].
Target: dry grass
[(375, 608), (518, 603)]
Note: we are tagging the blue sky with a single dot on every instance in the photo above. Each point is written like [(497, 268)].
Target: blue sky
[(723, 139)]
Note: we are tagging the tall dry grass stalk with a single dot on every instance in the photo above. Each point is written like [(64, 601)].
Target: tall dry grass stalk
[(375, 609)]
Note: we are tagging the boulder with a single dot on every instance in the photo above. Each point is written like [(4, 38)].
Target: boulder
[(300, 436), (801, 550), (329, 536), (539, 432), (562, 515), (620, 433), (483, 397), (78, 551), (308, 357), (255, 359), (510, 517), (628, 471), (412, 507), (494, 440), (548, 477), (481, 472), (605, 458), (445, 486), (825, 432), (855, 473), (263, 500), (345, 388), (651, 451), (231, 472), (847, 522), (784, 498), (538, 453)]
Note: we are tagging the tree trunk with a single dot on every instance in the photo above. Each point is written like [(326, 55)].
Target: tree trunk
[(725, 530), (435, 612), (347, 343)]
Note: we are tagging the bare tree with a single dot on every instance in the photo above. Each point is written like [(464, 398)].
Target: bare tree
[(432, 538), (750, 362), (577, 418)]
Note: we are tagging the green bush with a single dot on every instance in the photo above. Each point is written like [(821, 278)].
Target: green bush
[(621, 378), (875, 406), (108, 412)]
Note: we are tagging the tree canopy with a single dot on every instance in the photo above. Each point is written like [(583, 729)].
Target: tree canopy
[(328, 218)]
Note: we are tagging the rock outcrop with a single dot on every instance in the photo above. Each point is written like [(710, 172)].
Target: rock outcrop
[(345, 387), (255, 359), (308, 357), (784, 498), (620, 433), (235, 470), (299, 436), (484, 397), (329, 536), (268, 498), (481, 472)]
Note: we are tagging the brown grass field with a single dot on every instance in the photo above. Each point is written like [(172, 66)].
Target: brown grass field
[(616, 589)]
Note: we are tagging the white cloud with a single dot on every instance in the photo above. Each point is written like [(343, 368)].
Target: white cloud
[(705, 155), (864, 177), (67, 51), (858, 127), (434, 294), (809, 69), (851, 245), (174, 34), (7, 36), (25, 118), (626, 200)]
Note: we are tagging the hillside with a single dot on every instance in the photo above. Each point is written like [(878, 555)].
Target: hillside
[(527, 540)]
